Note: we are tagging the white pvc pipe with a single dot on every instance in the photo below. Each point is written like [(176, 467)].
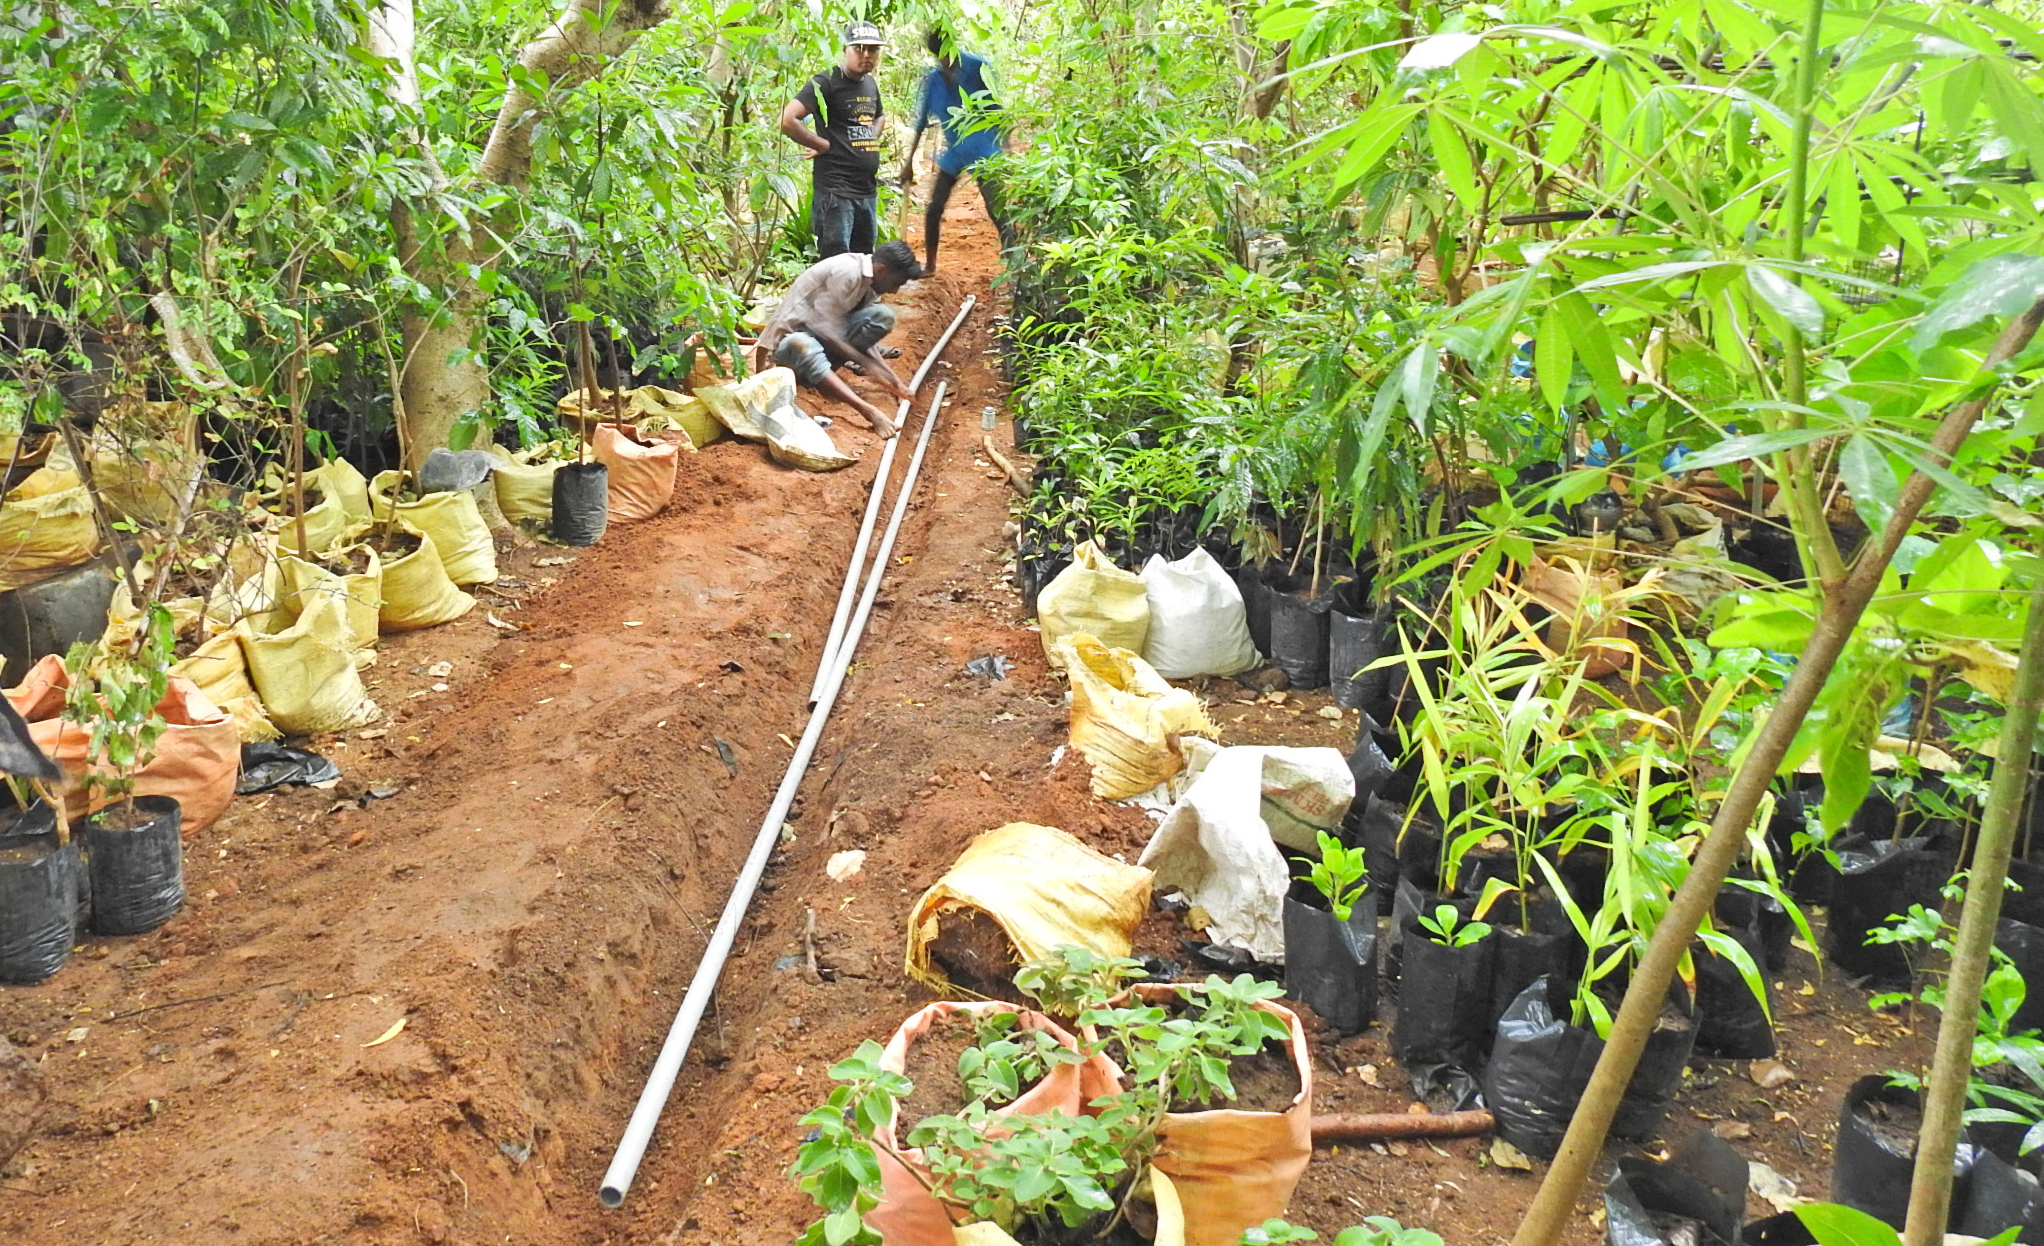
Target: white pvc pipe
[(858, 568), (631, 1148)]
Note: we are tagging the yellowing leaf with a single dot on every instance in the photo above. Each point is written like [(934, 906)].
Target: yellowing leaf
[(396, 1028)]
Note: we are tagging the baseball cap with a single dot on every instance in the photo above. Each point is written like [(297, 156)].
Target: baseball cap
[(863, 33)]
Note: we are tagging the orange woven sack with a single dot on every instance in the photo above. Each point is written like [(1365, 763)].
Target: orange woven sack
[(1235, 1169), (908, 1215), (641, 471), (198, 754)]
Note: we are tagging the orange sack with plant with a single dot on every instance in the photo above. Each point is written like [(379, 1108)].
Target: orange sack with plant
[(195, 762)]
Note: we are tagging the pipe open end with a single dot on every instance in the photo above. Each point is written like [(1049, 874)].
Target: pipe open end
[(611, 1196)]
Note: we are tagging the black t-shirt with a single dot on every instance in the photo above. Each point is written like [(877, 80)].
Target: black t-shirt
[(847, 113)]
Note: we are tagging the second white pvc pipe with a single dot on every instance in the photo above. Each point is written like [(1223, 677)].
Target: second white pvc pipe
[(631, 1148)]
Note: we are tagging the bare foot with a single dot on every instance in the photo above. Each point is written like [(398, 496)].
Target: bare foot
[(880, 423)]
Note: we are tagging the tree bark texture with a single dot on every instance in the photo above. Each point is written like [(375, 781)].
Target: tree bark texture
[(445, 375), (1930, 1186)]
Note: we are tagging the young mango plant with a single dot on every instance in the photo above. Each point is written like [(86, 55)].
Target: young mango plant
[(114, 695)]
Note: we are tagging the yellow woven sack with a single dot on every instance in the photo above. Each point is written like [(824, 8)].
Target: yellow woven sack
[(525, 489), (360, 593), (306, 674), (453, 520), (1095, 597), (1044, 888), (416, 590), (46, 525), (651, 408), (219, 669), (1126, 719)]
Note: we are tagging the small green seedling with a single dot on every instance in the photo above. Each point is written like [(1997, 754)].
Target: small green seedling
[(1447, 928), (1338, 875)]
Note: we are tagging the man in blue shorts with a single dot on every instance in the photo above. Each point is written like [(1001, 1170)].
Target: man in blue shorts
[(955, 95)]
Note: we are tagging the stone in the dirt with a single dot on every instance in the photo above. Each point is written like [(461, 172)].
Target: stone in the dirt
[(1769, 1074), (22, 1095), (1269, 679), (1777, 1190), (1331, 712), (843, 865), (1733, 1131)]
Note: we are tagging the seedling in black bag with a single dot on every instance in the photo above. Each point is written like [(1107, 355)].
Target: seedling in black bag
[(114, 696), (1447, 928), (1338, 875)]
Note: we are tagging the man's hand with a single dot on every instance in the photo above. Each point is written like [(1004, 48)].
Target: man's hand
[(907, 176)]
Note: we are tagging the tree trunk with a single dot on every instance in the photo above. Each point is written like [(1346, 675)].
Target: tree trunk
[(445, 376), (1944, 1100)]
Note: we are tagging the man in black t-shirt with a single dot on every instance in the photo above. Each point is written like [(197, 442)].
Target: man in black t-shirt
[(845, 181)]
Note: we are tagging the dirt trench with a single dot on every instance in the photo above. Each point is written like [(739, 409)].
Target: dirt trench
[(572, 801)]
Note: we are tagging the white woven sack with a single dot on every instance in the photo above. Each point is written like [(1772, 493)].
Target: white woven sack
[(1197, 623)]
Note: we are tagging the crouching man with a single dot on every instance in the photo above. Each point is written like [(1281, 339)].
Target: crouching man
[(832, 316)]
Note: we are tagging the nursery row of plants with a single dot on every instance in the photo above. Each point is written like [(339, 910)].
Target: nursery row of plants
[(1652, 391)]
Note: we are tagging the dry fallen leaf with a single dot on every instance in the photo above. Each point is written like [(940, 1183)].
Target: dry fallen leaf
[(1769, 1074), (1733, 1131), (500, 624), (1505, 1155), (397, 1027)]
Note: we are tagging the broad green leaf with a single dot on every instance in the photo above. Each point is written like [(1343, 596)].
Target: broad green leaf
[(1651, 272), (1753, 446), (1451, 153), (1593, 347), (1834, 1224), (1553, 359), (1440, 51), (1792, 301), (1870, 480), (2000, 285)]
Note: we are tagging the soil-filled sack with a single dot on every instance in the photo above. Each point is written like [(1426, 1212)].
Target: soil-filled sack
[(218, 668), (524, 487), (1875, 1155), (339, 480), (1219, 844), (1731, 1021), (1125, 719), (417, 591), (641, 472), (1197, 623), (39, 888), (46, 525), (1234, 1169), (140, 478), (134, 856), (360, 593), (1041, 887), (1331, 965), (1096, 598), (306, 673), (1703, 1181), (1877, 879), (1443, 1003), (1354, 643), (1299, 630), (1540, 1064), (581, 504), (651, 408), (461, 537), (908, 1214), (197, 754), (1585, 624), (2001, 1196)]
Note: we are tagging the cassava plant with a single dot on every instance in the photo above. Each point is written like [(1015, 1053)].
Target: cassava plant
[(114, 694)]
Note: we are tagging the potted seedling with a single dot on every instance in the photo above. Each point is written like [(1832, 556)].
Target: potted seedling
[(1444, 1000), (1331, 938), (133, 848), (1063, 1178)]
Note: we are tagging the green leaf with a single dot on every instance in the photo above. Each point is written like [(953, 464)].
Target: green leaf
[(1753, 446), (1451, 154), (1592, 344), (1554, 359), (1793, 302), (1833, 1224), (1440, 51), (2000, 285), (1870, 479)]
